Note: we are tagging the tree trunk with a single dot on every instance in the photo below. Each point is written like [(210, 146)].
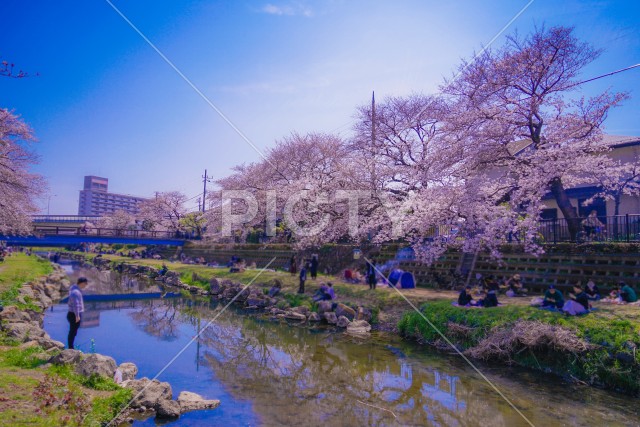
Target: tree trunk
[(568, 210)]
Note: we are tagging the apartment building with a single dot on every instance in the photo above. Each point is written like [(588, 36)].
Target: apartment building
[(95, 198)]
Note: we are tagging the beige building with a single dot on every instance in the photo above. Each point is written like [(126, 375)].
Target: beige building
[(95, 199)]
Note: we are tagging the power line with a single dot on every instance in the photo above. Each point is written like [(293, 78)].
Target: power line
[(606, 75)]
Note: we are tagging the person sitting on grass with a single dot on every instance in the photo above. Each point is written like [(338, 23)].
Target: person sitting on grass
[(515, 288), (491, 297), (322, 294), (553, 298), (624, 293), (163, 270), (465, 298), (592, 291), (275, 289), (578, 303)]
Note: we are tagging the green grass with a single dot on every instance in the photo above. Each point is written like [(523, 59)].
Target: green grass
[(18, 382), (613, 336), (28, 358), (105, 409), (17, 270), (200, 275), (94, 382)]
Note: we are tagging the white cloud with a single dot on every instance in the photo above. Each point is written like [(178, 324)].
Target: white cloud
[(290, 9)]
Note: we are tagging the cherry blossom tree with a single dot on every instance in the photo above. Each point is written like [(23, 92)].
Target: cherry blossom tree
[(118, 221), (18, 187), (298, 184), (163, 212), (466, 168), (408, 140), (513, 111)]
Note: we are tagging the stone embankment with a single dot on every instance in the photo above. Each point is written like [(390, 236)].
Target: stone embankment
[(26, 326), (354, 321)]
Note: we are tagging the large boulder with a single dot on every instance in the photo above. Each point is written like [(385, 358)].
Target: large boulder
[(148, 393), (167, 409), (128, 370), (324, 307), (48, 344), (23, 331), (256, 302), (346, 311), (215, 286), (194, 402), (314, 317), (343, 322), (242, 295), (293, 315), (67, 357), (331, 318), (98, 364), (363, 314), (303, 309), (11, 314), (359, 327)]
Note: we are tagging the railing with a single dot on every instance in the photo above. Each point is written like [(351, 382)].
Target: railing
[(64, 218), (618, 228), (110, 232)]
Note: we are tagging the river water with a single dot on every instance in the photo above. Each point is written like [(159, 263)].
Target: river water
[(267, 373)]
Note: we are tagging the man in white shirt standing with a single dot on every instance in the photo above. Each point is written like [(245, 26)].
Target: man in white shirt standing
[(76, 308)]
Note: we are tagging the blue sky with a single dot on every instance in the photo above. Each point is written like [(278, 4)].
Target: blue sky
[(106, 104)]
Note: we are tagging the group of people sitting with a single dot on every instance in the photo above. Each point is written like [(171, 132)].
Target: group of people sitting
[(489, 288), (580, 299), (489, 296), (578, 302)]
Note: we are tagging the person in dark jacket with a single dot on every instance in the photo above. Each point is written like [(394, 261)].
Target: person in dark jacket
[(293, 265), (303, 278), (553, 298), (578, 302), (465, 297), (313, 268), (372, 278), (592, 291)]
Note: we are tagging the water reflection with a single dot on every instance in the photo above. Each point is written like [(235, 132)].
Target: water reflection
[(299, 375), (296, 375)]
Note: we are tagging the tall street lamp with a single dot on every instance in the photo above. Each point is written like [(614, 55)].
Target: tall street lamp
[(49, 202)]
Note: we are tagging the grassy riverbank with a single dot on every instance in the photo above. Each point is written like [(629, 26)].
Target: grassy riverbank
[(599, 348), (17, 269), (35, 396), (387, 305), (31, 394)]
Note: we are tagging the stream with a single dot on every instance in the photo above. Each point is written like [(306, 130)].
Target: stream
[(269, 373)]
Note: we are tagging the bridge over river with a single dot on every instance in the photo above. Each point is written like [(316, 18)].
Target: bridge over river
[(64, 230)]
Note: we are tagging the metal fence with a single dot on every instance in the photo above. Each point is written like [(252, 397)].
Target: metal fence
[(65, 218), (111, 232), (618, 228)]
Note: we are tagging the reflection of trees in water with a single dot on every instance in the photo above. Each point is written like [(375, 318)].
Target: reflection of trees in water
[(293, 376), (113, 282), (159, 318)]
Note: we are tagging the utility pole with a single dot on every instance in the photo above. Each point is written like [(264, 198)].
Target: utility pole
[(373, 139), (204, 191), (199, 208)]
